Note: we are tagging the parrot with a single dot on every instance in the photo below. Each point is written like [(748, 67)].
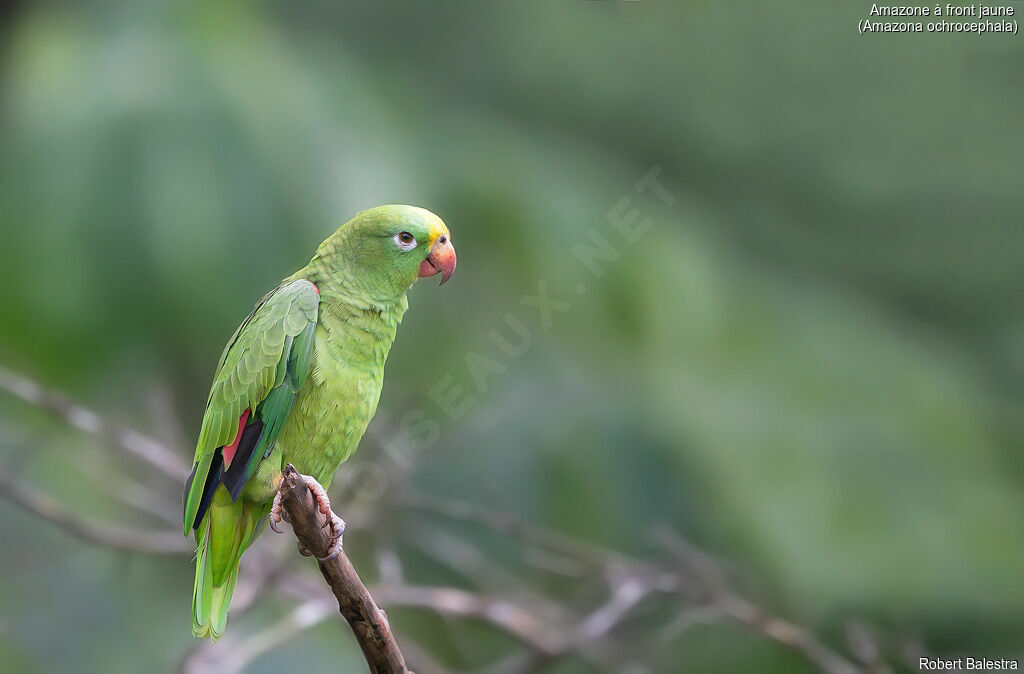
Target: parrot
[(298, 383)]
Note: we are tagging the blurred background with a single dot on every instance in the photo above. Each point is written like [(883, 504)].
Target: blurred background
[(774, 424)]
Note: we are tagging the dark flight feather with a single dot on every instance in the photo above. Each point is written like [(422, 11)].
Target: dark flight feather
[(212, 480), (236, 475)]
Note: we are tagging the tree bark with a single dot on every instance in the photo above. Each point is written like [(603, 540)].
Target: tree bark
[(368, 623)]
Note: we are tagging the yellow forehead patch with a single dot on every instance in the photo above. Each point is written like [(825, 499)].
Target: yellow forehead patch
[(437, 228)]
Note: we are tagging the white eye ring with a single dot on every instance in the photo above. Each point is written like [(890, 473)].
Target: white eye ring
[(408, 244)]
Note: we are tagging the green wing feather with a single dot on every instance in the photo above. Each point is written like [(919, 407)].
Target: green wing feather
[(262, 368), (277, 406)]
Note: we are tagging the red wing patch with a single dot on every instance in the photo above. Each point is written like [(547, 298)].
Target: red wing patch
[(228, 451)]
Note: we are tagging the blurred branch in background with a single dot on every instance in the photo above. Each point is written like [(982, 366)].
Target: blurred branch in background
[(233, 654), (84, 419), (18, 491), (691, 583)]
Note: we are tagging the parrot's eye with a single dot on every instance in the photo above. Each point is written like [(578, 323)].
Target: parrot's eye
[(405, 240)]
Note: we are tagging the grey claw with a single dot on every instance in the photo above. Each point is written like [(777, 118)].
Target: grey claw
[(337, 527), (337, 531)]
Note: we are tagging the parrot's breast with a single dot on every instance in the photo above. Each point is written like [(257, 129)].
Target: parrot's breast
[(340, 396)]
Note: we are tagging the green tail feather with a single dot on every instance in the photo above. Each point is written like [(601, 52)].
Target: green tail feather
[(225, 533)]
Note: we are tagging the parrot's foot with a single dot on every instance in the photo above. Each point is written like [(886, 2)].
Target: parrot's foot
[(323, 504), (337, 531), (319, 495), (277, 513)]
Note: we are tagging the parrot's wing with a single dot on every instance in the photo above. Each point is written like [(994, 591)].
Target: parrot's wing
[(261, 371)]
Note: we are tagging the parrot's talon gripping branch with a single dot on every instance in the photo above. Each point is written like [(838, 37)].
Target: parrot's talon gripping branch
[(304, 503), (320, 496), (276, 514), (337, 526)]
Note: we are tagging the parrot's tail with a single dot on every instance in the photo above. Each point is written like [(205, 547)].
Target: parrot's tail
[(224, 534)]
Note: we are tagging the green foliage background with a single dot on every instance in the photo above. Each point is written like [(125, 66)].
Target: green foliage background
[(812, 363)]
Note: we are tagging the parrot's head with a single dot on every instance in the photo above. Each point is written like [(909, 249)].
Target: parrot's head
[(385, 249)]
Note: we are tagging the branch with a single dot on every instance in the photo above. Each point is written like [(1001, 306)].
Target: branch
[(701, 581), (719, 597), (785, 633), (109, 535), (242, 651), (504, 615), (84, 419), (510, 525), (471, 563), (368, 623)]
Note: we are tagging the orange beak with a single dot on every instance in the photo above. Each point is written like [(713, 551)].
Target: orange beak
[(440, 261)]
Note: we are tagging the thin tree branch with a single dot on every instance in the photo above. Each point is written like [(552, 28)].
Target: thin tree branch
[(464, 558), (502, 614), (627, 594), (368, 623), (510, 525), (787, 634), (241, 651), (505, 616), (84, 419), (423, 661), (135, 495), (702, 580), (108, 535), (732, 606)]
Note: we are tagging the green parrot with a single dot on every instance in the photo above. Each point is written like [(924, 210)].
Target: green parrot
[(298, 383)]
